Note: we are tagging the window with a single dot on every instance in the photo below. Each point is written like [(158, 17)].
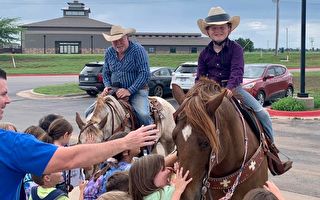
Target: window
[(74, 13), (68, 47), (271, 71), (164, 72), (151, 50), (194, 49), (279, 70), (172, 50)]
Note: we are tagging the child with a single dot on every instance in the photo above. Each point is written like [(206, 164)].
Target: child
[(118, 181), (115, 195), (41, 135), (269, 192), (47, 190), (149, 179), (8, 126), (60, 131), (120, 162)]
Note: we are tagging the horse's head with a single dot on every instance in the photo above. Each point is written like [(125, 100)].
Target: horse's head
[(107, 118), (92, 129), (195, 133)]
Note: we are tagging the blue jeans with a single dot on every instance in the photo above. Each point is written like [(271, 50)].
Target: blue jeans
[(261, 114), (140, 104)]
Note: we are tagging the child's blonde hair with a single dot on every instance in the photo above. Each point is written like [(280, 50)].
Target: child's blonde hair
[(115, 195), (8, 126)]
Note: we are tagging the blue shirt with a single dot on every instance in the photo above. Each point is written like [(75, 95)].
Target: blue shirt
[(228, 64), (132, 71), (20, 154)]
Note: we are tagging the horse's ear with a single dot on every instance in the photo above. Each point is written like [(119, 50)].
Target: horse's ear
[(103, 122), (79, 121), (213, 104), (178, 93)]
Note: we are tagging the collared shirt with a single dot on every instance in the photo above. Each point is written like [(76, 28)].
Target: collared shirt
[(227, 65), (131, 72)]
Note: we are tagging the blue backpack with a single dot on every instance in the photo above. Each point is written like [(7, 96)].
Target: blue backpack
[(55, 194)]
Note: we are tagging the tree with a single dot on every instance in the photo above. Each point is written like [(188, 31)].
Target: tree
[(9, 30), (246, 44)]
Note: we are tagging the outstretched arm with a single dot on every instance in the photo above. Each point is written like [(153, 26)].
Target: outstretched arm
[(85, 155)]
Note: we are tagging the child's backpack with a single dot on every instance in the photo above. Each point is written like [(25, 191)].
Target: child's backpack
[(55, 194)]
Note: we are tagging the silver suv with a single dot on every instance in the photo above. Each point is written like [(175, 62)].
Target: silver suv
[(185, 75)]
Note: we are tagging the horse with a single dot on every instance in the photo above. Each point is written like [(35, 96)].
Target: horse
[(216, 144), (110, 116)]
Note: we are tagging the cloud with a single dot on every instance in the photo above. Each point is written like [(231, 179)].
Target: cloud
[(257, 25)]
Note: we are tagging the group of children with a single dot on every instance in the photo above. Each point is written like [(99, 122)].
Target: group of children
[(122, 177)]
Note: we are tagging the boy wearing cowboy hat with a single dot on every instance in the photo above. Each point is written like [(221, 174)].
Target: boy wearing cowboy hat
[(127, 66), (222, 60)]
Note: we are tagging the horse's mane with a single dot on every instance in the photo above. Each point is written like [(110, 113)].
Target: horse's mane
[(100, 106), (195, 109)]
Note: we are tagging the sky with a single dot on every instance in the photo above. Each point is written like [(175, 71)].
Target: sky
[(258, 17)]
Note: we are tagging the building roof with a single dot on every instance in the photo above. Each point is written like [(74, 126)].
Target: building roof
[(175, 41), (74, 22)]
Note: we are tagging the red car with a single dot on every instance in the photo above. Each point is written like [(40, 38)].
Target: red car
[(267, 82)]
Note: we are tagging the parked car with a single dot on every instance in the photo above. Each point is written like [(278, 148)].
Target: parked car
[(91, 80), (267, 82), (159, 84), (184, 75)]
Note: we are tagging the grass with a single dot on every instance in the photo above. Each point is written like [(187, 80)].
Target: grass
[(60, 90), (72, 64)]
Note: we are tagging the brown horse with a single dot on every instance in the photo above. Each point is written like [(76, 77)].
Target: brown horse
[(215, 143)]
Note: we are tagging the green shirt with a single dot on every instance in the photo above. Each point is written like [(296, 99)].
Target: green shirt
[(43, 192), (163, 194)]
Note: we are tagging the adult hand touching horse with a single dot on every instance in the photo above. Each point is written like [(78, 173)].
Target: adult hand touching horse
[(106, 91)]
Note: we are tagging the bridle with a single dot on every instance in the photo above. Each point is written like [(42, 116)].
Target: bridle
[(124, 121)]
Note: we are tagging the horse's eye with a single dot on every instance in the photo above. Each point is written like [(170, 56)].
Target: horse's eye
[(203, 144)]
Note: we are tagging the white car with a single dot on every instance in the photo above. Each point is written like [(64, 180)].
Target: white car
[(185, 75)]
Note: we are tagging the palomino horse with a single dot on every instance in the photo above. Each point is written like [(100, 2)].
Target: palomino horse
[(214, 142), (110, 117)]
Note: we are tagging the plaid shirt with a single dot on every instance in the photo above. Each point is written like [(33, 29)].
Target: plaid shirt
[(132, 72)]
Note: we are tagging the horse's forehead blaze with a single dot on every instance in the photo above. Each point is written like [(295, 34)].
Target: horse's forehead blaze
[(186, 132)]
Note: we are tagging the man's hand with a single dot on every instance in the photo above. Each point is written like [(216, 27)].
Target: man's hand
[(106, 91), (121, 93), (143, 136)]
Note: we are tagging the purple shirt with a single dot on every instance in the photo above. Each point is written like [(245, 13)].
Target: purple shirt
[(226, 65)]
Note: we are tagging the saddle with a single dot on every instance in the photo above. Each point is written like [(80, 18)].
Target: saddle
[(275, 165)]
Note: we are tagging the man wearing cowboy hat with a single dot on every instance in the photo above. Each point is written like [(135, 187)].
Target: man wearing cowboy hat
[(222, 60), (127, 67)]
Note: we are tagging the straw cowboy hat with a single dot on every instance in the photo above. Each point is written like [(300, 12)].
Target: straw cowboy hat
[(117, 32), (217, 16)]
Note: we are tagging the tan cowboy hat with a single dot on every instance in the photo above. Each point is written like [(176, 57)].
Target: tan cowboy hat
[(118, 32), (217, 16)]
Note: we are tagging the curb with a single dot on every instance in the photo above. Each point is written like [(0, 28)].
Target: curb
[(33, 95), (313, 114)]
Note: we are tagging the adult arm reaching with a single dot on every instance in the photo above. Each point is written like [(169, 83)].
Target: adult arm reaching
[(85, 155)]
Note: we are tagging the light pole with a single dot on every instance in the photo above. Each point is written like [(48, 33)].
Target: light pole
[(277, 26)]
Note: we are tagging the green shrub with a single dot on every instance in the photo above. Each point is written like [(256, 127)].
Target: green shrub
[(288, 104), (317, 103)]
